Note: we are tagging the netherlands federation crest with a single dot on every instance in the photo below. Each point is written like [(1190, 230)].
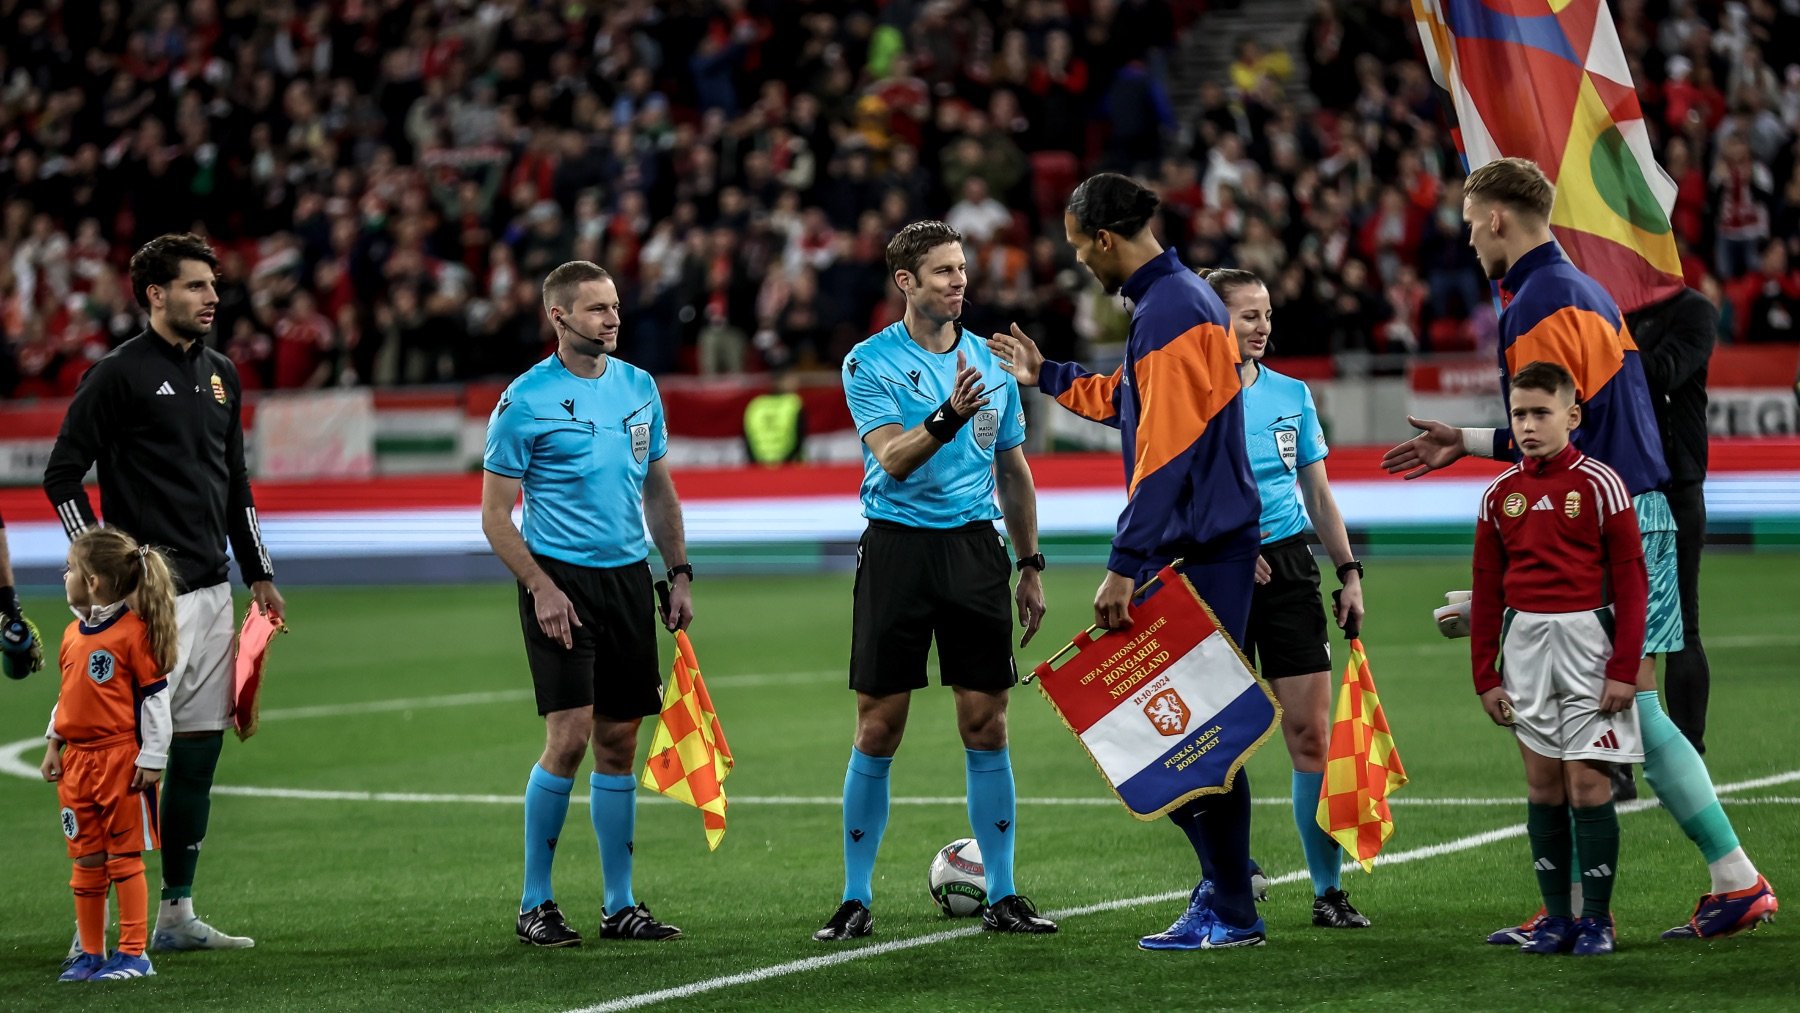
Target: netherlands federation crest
[(1168, 712), (640, 441), (100, 667), (986, 423), (1288, 442), (70, 828)]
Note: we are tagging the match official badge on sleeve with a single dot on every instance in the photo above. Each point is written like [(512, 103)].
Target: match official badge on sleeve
[(986, 423), (1288, 442), (640, 441)]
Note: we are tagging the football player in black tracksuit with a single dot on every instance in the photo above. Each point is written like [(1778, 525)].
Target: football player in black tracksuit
[(1675, 339), (162, 416)]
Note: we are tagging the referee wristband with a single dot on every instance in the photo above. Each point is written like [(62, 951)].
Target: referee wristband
[(944, 424)]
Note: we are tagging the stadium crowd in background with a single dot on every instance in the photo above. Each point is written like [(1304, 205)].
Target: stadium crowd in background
[(389, 180)]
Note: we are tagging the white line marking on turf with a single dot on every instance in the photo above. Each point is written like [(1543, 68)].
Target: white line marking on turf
[(333, 710), (845, 956), (12, 762)]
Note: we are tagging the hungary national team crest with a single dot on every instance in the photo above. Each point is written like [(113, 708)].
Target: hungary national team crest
[(1288, 442), (1572, 504), (985, 423), (1514, 505), (640, 441), (100, 667), (218, 389)]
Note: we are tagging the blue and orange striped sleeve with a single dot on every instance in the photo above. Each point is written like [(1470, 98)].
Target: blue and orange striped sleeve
[(1093, 396)]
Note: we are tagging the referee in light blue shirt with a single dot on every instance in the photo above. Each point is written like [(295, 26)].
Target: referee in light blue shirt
[(942, 433), (582, 434), (1287, 635)]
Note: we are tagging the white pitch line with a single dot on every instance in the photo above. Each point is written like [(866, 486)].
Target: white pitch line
[(333, 710), (862, 953)]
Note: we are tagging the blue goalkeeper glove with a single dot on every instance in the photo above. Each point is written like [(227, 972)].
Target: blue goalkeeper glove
[(21, 648)]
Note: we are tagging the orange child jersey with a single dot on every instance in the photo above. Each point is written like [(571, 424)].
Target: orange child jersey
[(106, 672)]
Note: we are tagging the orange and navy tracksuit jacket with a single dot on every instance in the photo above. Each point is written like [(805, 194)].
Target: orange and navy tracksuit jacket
[(1554, 313), (1176, 402)]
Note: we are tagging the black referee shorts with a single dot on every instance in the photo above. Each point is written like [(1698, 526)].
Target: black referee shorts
[(612, 667), (1287, 617), (913, 584)]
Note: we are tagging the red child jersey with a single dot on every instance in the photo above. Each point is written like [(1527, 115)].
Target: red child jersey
[(107, 670), (1558, 534)]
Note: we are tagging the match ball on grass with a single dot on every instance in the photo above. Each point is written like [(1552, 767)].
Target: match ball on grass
[(958, 879)]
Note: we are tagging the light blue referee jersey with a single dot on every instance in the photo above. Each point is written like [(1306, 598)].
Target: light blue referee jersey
[(1281, 425), (890, 380), (582, 448)]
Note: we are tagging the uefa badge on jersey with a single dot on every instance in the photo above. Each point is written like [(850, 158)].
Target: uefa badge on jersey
[(100, 667), (640, 441), (1572, 504), (1288, 442), (1514, 505), (986, 423), (218, 388)]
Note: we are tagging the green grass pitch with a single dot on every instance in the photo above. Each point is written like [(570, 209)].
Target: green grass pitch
[(408, 904)]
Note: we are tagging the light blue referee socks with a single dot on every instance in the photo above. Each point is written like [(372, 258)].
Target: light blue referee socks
[(865, 817), (993, 809), (546, 806), (1324, 859), (1681, 782), (613, 799)]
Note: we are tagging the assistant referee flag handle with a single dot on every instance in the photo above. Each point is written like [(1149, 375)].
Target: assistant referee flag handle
[(1352, 626)]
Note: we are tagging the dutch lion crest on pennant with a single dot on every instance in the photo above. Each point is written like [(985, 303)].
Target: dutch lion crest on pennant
[(1168, 712)]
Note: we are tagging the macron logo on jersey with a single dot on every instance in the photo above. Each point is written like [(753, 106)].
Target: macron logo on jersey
[(166, 389)]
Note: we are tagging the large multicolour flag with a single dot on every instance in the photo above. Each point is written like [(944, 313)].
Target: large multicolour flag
[(1547, 80), (689, 757), (1361, 768), (1168, 708)]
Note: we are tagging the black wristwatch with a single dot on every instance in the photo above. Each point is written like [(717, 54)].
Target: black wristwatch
[(1354, 564), (683, 569), (1035, 561)]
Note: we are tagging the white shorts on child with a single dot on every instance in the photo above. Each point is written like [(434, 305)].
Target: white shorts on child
[(1553, 666)]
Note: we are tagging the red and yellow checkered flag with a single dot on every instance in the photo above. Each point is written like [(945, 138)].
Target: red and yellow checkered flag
[(1362, 767), (688, 755)]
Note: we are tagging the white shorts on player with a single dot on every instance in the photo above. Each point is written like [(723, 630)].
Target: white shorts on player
[(200, 684), (1553, 666)]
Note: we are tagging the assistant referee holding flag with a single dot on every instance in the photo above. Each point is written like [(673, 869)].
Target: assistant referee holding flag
[(162, 416), (582, 434), (942, 429)]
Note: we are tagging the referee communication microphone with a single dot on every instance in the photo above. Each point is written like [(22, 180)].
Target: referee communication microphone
[(565, 323)]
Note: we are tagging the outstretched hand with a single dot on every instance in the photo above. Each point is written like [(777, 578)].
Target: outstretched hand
[(1020, 355), (1437, 446)]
